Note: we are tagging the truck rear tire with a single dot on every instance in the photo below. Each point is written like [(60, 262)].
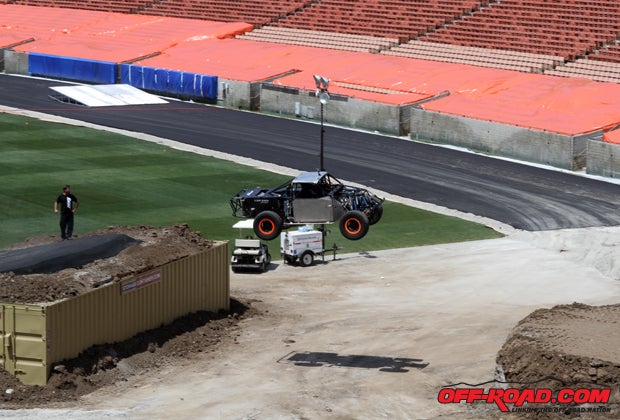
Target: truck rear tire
[(375, 216), (267, 225), (306, 259), (354, 225)]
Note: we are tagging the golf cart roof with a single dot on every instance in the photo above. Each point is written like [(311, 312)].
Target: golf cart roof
[(309, 177), (244, 224)]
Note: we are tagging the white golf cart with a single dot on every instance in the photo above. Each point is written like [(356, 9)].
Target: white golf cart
[(249, 253)]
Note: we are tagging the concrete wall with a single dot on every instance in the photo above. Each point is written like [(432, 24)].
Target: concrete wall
[(498, 139), (339, 110), (240, 95), (15, 62), (603, 159)]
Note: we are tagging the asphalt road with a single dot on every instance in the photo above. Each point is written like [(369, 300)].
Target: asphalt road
[(522, 196)]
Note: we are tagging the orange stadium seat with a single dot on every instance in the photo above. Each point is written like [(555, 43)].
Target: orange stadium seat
[(571, 29)]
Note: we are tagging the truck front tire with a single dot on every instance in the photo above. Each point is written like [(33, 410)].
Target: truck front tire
[(267, 225)]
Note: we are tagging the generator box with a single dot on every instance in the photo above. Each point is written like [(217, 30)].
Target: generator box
[(294, 244)]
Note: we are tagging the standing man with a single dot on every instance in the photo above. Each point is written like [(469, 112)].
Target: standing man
[(67, 203)]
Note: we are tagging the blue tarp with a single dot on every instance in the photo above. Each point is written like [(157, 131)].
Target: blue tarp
[(169, 81), (72, 68)]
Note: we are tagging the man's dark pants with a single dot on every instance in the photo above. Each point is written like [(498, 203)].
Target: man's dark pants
[(66, 225)]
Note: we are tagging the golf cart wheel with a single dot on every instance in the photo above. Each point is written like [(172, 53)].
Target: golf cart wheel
[(306, 259), (267, 225), (354, 225), (375, 216), (265, 263)]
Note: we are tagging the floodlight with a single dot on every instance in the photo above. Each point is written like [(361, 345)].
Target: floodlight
[(317, 81), (321, 82)]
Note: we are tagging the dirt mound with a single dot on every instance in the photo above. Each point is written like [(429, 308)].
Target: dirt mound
[(108, 364), (155, 246), (566, 346)]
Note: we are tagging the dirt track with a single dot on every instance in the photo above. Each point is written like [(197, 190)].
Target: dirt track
[(441, 313)]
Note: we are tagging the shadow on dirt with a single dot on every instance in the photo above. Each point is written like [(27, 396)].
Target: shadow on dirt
[(384, 364)]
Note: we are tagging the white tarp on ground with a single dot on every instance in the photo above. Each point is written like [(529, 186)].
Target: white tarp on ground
[(107, 95)]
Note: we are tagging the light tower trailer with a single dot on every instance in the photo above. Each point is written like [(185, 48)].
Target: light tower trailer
[(303, 245)]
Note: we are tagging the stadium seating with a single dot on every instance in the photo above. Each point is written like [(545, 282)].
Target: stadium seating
[(538, 36), (571, 28), (131, 6), (485, 57), (611, 53), (600, 71), (250, 11), (320, 39), (388, 19)]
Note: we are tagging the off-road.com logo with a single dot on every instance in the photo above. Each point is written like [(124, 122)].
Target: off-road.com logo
[(502, 397)]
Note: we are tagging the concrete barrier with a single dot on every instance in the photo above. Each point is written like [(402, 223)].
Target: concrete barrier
[(603, 159), (238, 94), (340, 110), (567, 152), (15, 62)]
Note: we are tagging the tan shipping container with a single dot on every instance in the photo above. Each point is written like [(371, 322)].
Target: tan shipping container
[(33, 337)]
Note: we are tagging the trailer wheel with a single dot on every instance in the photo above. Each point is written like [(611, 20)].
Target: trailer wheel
[(354, 225), (267, 225), (306, 259)]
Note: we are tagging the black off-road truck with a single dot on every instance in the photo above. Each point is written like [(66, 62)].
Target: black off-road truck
[(310, 198)]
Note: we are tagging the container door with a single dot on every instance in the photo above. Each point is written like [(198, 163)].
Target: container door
[(7, 337), (23, 342), (29, 344)]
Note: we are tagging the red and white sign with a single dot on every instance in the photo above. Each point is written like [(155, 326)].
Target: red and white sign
[(518, 397), (142, 281)]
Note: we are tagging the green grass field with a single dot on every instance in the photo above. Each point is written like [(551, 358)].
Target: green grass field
[(123, 181)]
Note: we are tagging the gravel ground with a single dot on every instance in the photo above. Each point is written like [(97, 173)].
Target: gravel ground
[(378, 334)]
